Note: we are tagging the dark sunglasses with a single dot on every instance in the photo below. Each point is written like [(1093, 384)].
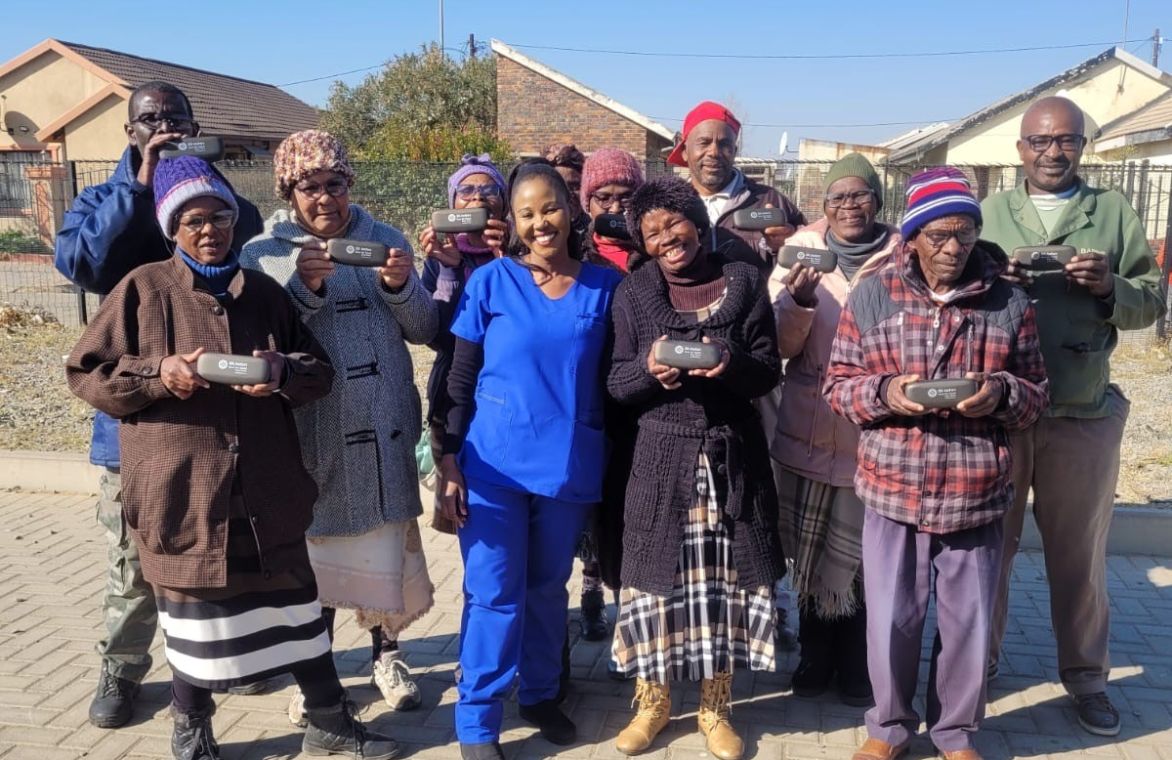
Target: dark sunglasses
[(336, 188), (486, 192)]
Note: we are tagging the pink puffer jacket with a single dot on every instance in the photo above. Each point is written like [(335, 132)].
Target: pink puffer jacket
[(809, 438)]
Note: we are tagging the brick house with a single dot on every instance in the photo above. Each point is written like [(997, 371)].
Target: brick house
[(537, 106)]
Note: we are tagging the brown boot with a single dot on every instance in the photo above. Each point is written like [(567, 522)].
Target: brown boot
[(715, 701), (877, 749), (653, 715)]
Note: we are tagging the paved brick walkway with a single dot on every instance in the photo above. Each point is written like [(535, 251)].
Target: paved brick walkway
[(51, 557)]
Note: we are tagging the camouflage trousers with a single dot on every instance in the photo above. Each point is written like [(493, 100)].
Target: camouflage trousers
[(128, 605)]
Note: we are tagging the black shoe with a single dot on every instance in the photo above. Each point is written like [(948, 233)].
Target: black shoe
[(564, 677), (555, 727), (855, 692), (335, 731), (594, 622), (250, 689), (191, 737), (812, 677), (1097, 715), (485, 751), (113, 702)]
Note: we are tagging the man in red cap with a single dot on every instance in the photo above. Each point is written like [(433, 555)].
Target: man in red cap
[(708, 148)]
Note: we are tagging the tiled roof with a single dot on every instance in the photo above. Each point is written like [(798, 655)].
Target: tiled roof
[(223, 105), (1153, 117)]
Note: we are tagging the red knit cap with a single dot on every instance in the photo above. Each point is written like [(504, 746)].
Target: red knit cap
[(607, 166), (703, 112)]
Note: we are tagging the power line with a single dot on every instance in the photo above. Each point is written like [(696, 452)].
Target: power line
[(821, 56), (355, 71), (808, 126)]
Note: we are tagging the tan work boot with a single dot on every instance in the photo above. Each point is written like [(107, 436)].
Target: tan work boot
[(653, 715), (715, 700)]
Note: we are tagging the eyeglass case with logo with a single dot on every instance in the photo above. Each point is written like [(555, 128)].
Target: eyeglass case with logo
[(207, 148), (687, 354), (231, 369), (816, 258), (941, 394), (357, 253), (453, 220), (1044, 258), (760, 218), (612, 226)]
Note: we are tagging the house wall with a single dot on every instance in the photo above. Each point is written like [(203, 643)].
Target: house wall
[(1159, 152), (98, 134), (1099, 96), (533, 112), (828, 150), (39, 92)]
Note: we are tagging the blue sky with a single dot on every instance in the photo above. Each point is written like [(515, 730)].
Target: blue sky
[(295, 40)]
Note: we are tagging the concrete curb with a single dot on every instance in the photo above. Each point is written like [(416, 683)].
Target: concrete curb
[(1134, 530)]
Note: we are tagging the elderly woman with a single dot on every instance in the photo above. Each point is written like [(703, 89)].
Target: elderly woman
[(477, 183), (700, 545), (935, 482), (214, 490), (523, 458), (359, 443), (821, 517)]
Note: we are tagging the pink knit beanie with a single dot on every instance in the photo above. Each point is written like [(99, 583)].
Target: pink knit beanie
[(607, 166)]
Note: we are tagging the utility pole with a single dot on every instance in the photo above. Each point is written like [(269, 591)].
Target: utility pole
[(1156, 40), (441, 39), (471, 46)]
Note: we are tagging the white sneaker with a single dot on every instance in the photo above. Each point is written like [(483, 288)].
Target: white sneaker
[(392, 677), (296, 711)]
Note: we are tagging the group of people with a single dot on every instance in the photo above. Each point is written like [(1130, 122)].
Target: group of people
[(241, 517)]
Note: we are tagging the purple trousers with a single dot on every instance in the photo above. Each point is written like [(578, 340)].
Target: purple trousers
[(901, 569)]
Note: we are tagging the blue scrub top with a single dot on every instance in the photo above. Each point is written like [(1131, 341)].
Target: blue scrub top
[(539, 397)]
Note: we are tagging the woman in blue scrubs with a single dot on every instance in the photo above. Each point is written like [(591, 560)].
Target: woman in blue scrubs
[(523, 457)]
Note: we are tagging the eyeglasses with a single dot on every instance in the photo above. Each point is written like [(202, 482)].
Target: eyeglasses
[(221, 220), (607, 200), (154, 121), (938, 238), (856, 198), (484, 192), (1067, 143), (336, 187)]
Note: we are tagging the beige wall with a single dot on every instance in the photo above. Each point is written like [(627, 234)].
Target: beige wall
[(40, 91), (1157, 152), (1098, 96), (98, 135), (826, 150)]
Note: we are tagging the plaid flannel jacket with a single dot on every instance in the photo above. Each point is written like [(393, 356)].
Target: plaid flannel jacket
[(942, 472)]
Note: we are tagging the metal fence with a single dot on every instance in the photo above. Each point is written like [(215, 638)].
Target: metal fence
[(35, 196)]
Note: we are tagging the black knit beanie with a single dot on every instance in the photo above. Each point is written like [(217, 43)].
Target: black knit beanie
[(669, 193)]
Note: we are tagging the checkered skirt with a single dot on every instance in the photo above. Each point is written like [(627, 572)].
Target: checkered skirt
[(706, 625)]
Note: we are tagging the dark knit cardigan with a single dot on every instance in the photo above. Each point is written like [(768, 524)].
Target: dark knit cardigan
[(714, 413)]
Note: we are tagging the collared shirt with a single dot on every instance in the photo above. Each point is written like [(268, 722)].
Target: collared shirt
[(718, 201)]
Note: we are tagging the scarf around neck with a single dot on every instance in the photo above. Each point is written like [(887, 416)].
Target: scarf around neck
[(852, 256)]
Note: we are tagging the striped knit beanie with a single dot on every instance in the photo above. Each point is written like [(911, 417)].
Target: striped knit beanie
[(179, 180), (607, 166), (935, 193)]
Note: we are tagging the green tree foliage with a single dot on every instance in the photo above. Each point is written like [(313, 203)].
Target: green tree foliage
[(420, 107)]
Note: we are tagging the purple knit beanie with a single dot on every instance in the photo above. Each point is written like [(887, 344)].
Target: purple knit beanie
[(470, 165), (607, 166), (179, 180)]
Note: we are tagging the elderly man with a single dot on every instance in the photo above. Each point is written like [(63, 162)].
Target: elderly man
[(1071, 457), (708, 148), (935, 481), (110, 230)]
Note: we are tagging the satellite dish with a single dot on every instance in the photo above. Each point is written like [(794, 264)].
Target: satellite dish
[(781, 146)]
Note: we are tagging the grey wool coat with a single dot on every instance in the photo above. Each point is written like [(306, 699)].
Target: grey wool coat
[(359, 441)]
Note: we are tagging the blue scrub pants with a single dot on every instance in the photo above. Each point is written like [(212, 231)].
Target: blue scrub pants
[(518, 551)]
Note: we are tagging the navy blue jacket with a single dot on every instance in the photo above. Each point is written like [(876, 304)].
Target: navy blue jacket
[(110, 230)]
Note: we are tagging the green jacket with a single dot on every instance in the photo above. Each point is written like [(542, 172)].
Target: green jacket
[(1079, 331)]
